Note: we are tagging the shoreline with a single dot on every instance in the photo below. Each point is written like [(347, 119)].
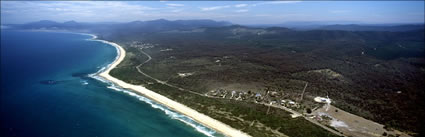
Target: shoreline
[(187, 111)]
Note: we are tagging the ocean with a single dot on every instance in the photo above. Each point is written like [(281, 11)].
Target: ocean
[(49, 88)]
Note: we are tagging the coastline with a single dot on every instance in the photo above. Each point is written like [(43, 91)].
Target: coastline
[(193, 114)]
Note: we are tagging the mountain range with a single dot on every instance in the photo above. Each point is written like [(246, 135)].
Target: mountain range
[(165, 25)]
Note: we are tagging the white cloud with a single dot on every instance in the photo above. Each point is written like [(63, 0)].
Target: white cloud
[(242, 10), (75, 10), (241, 5), (282, 2), (214, 8), (275, 3), (247, 5), (175, 5)]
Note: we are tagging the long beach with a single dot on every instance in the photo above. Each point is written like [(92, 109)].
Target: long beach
[(198, 117)]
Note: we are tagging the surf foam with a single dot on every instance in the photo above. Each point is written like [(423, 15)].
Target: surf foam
[(172, 114)]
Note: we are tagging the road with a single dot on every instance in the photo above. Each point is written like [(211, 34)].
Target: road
[(193, 92), (160, 81), (302, 94), (309, 119)]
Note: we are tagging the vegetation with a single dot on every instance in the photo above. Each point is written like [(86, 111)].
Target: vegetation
[(373, 72), (365, 73)]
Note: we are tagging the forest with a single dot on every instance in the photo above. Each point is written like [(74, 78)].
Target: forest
[(378, 71)]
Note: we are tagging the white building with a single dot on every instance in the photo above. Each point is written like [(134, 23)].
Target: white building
[(322, 100)]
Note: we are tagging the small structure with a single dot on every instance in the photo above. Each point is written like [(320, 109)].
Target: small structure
[(291, 102), (233, 94), (322, 100), (282, 102), (258, 95), (295, 115), (184, 74), (169, 49)]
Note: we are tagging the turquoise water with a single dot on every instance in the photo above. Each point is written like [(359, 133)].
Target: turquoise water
[(48, 89)]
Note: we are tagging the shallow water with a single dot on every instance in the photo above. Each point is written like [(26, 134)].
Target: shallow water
[(46, 90)]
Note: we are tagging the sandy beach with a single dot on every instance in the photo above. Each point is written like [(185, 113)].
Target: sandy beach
[(198, 117)]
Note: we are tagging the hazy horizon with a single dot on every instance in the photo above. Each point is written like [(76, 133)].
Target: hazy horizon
[(237, 12), (306, 23)]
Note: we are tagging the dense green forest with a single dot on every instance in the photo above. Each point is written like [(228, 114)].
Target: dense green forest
[(380, 73)]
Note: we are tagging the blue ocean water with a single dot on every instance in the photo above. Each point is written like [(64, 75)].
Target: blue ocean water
[(46, 91)]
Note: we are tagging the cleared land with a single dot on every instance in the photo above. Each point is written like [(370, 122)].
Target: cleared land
[(230, 64)]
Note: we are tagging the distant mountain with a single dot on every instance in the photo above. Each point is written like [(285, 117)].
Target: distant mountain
[(203, 23), (166, 25), (40, 24), (304, 25), (52, 25), (343, 25), (354, 27), (138, 26)]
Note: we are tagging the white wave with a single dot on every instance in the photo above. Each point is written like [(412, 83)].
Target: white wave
[(84, 82), (114, 88), (173, 115), (99, 78)]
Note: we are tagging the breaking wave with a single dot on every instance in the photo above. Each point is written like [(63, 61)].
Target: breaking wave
[(172, 114)]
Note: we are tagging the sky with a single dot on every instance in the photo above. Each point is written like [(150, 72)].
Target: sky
[(239, 12)]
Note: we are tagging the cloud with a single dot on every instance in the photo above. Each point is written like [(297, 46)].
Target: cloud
[(175, 5), (223, 7), (275, 3), (241, 5), (242, 10), (73, 10), (281, 2), (214, 8), (247, 5)]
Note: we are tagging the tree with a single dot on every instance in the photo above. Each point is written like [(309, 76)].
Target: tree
[(308, 110)]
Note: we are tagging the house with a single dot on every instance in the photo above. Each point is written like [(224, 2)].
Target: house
[(282, 102)]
